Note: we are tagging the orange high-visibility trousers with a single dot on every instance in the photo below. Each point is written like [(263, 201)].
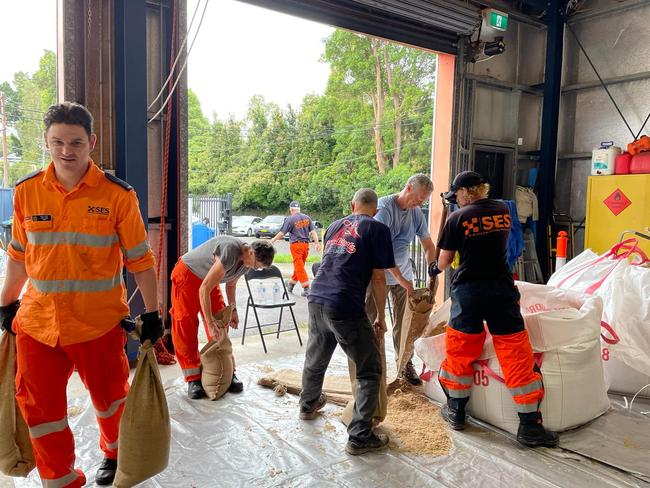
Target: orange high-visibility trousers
[(515, 356), (523, 378), (186, 307), (41, 379), (456, 372), (299, 253)]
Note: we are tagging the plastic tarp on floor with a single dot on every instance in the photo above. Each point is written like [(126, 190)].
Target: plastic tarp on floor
[(255, 439)]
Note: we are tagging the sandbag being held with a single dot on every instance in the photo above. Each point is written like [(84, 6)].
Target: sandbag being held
[(145, 431), (217, 367), (16, 455), (416, 317)]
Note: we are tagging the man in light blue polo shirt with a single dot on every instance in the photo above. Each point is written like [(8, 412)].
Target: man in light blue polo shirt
[(402, 214)]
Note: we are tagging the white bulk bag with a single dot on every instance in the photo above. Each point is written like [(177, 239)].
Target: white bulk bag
[(564, 329), (625, 290)]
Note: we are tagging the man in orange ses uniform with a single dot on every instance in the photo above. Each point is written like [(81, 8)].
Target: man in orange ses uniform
[(74, 227), (483, 290), (301, 228)]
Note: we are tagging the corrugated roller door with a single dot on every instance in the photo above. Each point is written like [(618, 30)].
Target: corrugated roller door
[(431, 24)]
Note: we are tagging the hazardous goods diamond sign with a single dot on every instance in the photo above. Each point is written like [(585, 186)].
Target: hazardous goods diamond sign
[(617, 202)]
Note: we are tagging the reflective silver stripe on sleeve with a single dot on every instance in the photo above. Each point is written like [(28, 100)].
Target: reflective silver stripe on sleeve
[(112, 445), (62, 286), (526, 407), (137, 251), (191, 371), (110, 411), (463, 380), (46, 428), (529, 388), (72, 238), (459, 393), (60, 482), (16, 245)]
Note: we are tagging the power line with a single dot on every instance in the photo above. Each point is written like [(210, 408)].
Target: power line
[(273, 144), (328, 132), (178, 57), (421, 110), (289, 170), (180, 73)]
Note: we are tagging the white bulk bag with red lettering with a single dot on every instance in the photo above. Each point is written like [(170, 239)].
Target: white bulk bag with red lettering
[(564, 330), (619, 278)]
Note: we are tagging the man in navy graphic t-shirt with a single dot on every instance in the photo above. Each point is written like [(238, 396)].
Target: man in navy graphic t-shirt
[(357, 249)]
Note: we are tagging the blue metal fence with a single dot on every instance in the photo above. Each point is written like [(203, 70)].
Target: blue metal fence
[(6, 203)]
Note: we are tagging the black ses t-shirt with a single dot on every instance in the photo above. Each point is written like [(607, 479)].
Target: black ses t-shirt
[(479, 232), (353, 247)]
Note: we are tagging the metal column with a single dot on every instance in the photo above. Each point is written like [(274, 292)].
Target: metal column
[(131, 97), (550, 117), (130, 84)]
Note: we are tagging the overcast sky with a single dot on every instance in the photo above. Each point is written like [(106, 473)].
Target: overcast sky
[(240, 51)]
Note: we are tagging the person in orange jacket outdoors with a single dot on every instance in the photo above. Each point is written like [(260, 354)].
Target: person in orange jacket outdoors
[(483, 289), (301, 228), (74, 229), (195, 289)]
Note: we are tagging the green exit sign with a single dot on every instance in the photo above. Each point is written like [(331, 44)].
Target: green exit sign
[(497, 20)]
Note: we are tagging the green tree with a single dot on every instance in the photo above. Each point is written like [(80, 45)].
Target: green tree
[(371, 128), (28, 97)]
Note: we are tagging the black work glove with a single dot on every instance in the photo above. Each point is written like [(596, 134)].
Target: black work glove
[(7, 314), (434, 270), (451, 199), (152, 327)]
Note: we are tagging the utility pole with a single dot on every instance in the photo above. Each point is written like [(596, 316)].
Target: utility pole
[(5, 172)]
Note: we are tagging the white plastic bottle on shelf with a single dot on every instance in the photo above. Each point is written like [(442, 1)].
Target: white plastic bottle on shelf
[(277, 294), (603, 158), (261, 293)]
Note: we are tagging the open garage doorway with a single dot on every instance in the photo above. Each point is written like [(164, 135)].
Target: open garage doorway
[(372, 113)]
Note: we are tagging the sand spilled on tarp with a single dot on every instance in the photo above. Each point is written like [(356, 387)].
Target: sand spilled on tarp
[(414, 424)]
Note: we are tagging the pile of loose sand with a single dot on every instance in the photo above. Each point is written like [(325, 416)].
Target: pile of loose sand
[(414, 424)]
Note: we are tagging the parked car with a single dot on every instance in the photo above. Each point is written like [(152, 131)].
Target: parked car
[(244, 225), (319, 231), (269, 226)]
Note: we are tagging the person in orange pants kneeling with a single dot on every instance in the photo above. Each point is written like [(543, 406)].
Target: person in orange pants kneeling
[(483, 290), (195, 289), (75, 227)]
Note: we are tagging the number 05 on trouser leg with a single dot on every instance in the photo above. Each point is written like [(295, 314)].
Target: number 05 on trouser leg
[(496, 304)]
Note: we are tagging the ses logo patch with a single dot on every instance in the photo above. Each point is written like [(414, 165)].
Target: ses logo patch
[(98, 210), (487, 223)]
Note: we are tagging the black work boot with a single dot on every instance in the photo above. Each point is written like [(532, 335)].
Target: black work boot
[(195, 390), (236, 386), (377, 442), (106, 472), (453, 412), (410, 375), (532, 433)]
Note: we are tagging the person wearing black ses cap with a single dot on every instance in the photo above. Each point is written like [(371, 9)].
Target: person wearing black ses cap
[(483, 290)]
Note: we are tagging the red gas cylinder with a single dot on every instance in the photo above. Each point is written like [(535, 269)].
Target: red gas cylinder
[(640, 163), (622, 163)]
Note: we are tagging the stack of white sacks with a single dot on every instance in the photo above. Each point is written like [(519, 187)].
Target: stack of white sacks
[(564, 329), (621, 277), (590, 331)]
